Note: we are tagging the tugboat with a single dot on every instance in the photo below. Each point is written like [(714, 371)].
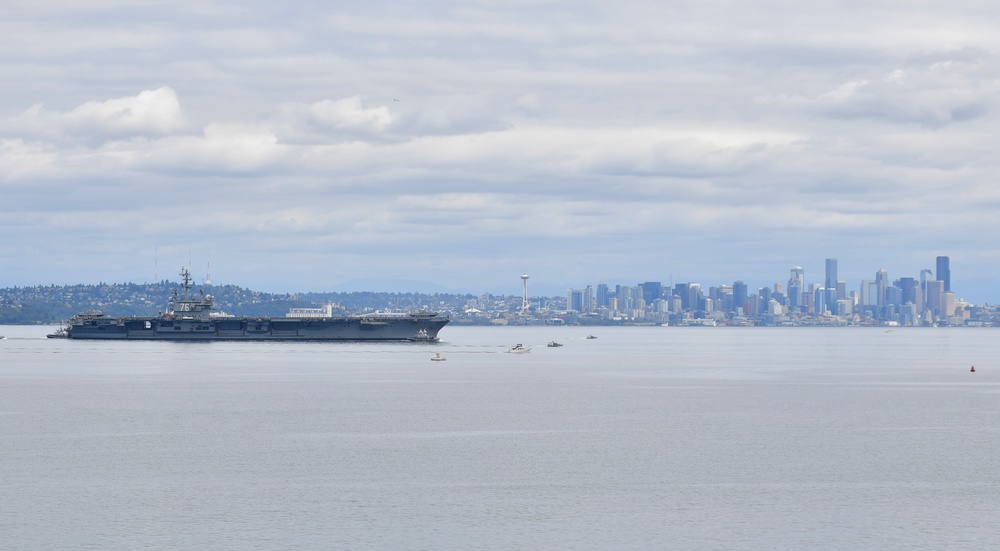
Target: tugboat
[(191, 318), (553, 344)]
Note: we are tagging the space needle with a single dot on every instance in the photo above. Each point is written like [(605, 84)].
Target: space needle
[(524, 300)]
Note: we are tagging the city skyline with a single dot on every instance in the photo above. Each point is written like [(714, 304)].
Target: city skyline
[(840, 288), (904, 301), (446, 146)]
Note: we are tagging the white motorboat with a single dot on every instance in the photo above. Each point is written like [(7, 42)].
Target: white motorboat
[(519, 349)]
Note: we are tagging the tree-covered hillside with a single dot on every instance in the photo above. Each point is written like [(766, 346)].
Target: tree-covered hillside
[(52, 304)]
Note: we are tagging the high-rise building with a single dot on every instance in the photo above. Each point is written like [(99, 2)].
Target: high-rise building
[(683, 290), (651, 291), (796, 283), (739, 295), (831, 282), (881, 284), (626, 297), (695, 297), (923, 282), (819, 300), (602, 295), (935, 296), (911, 292), (944, 272), (574, 300), (869, 293), (947, 304)]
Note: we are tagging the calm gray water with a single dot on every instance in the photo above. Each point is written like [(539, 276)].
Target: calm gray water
[(645, 438)]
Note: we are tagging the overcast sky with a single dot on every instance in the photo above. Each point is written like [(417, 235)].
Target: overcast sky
[(454, 145)]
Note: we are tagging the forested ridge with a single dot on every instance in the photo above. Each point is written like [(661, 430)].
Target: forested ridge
[(55, 303)]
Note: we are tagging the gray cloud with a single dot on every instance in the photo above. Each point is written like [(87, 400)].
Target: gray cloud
[(575, 141), (149, 113)]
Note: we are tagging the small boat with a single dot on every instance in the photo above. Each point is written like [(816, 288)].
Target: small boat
[(60, 333), (437, 357), (553, 344), (519, 349), (591, 337)]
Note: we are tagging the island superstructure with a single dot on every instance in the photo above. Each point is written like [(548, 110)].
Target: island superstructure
[(191, 317)]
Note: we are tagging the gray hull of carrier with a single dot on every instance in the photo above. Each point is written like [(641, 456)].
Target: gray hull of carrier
[(413, 327)]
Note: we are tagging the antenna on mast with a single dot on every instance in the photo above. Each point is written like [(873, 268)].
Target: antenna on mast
[(186, 280)]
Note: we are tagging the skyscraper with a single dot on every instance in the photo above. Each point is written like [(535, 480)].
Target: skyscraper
[(881, 284), (739, 294), (923, 282), (796, 283), (651, 291), (911, 292), (831, 284), (944, 272), (602, 295)]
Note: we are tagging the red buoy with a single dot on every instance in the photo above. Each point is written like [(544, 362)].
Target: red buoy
[(973, 369)]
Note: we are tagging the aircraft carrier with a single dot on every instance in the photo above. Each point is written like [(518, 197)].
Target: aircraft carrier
[(191, 318)]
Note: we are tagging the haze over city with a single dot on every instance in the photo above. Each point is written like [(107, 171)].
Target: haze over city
[(453, 146)]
